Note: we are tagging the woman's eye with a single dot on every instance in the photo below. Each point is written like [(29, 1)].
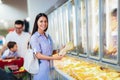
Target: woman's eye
[(41, 21)]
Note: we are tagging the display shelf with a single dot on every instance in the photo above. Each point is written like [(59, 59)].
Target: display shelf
[(101, 63), (59, 75), (77, 68)]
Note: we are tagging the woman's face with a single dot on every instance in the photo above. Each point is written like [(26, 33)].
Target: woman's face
[(42, 23)]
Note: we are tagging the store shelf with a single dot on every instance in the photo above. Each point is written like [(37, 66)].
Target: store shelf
[(61, 75), (75, 68), (101, 63)]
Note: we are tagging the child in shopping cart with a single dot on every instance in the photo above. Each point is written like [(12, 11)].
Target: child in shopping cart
[(11, 52)]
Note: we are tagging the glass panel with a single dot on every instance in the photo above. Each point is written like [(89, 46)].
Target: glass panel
[(60, 32), (50, 25), (82, 39), (111, 30), (72, 25), (56, 30), (71, 19), (93, 27), (79, 48), (53, 28), (65, 24)]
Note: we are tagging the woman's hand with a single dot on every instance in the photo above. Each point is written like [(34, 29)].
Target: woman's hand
[(58, 57)]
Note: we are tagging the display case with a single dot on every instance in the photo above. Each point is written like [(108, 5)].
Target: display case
[(59, 75), (93, 27), (84, 69)]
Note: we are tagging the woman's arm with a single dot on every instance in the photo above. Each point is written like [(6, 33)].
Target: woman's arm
[(41, 56)]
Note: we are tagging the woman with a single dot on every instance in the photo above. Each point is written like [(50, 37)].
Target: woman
[(42, 45)]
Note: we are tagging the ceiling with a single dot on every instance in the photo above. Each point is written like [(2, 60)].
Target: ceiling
[(44, 5), (18, 4), (20, 9)]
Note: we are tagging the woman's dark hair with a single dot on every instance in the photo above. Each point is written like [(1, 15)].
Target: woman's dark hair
[(35, 27), (11, 44)]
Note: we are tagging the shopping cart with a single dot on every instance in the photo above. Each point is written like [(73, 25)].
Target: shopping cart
[(15, 66)]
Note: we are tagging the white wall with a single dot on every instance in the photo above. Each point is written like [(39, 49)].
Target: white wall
[(9, 13), (38, 6)]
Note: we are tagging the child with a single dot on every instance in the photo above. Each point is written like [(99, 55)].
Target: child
[(11, 52)]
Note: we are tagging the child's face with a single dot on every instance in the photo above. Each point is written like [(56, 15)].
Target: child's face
[(14, 48)]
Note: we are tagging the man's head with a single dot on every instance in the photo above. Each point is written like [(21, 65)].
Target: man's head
[(19, 24)]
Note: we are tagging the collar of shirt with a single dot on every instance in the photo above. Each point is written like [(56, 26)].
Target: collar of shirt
[(38, 34), (17, 34), (11, 52)]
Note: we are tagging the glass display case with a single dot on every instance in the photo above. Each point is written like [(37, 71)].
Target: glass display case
[(92, 25), (59, 75), (80, 69)]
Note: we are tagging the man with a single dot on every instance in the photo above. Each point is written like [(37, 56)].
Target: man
[(19, 36)]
